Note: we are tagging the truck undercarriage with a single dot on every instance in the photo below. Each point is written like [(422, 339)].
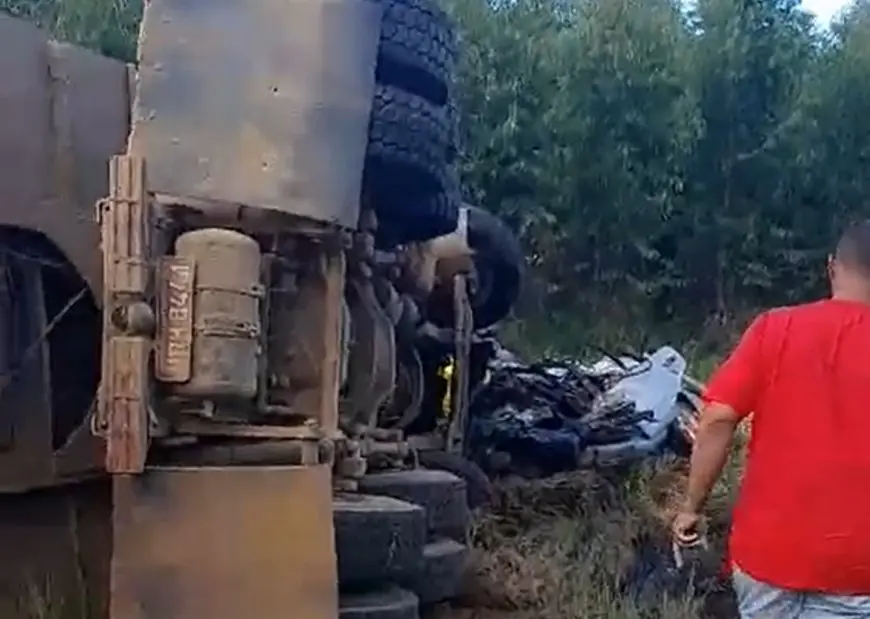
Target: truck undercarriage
[(285, 267)]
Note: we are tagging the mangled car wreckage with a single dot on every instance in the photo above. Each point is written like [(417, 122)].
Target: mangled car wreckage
[(539, 419)]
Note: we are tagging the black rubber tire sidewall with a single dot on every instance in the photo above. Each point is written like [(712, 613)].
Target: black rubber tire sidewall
[(426, 218), (408, 146), (377, 539), (418, 48), (478, 485), (404, 219), (383, 603), (498, 254), (440, 576), (498, 257), (441, 494)]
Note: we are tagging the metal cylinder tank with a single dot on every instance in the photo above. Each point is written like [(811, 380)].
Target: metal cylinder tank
[(226, 314)]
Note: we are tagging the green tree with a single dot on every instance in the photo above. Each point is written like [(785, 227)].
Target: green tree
[(832, 143), (578, 128), (750, 58)]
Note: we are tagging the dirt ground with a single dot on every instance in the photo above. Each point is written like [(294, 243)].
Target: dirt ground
[(593, 545)]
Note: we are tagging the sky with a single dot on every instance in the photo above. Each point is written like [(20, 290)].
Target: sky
[(824, 9)]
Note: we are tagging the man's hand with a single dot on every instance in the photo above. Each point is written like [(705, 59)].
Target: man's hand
[(709, 454), (687, 527)]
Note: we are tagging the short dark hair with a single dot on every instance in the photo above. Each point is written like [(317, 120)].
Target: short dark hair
[(853, 250)]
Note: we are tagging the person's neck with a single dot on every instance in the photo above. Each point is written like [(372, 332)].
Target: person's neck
[(852, 296)]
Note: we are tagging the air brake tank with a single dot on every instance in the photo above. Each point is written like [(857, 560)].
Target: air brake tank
[(226, 314)]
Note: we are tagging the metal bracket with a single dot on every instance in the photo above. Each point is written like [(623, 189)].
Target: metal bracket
[(122, 413), (372, 362), (463, 329)]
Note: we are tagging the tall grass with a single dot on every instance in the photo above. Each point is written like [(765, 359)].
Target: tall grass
[(569, 547)]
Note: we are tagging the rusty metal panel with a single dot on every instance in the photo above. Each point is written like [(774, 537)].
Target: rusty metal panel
[(224, 543), (91, 113), (25, 107), (63, 112), (264, 103)]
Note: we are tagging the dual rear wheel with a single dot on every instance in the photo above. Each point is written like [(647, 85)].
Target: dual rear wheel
[(401, 543)]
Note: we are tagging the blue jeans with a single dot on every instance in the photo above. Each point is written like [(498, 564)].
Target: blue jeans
[(758, 600)]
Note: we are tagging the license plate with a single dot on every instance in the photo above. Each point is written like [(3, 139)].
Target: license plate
[(173, 350)]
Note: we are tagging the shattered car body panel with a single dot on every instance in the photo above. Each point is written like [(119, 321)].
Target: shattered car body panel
[(541, 419), (651, 384)]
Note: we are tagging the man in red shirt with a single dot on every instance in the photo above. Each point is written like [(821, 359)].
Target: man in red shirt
[(800, 538)]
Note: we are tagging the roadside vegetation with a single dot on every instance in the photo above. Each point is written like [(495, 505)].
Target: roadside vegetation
[(595, 544), (670, 172)]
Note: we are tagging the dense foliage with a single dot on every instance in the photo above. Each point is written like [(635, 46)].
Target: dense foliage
[(663, 165), (667, 165)]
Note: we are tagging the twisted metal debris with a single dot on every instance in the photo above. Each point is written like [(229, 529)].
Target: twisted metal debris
[(543, 418)]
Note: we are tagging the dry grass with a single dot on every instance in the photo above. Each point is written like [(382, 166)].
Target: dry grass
[(568, 548)]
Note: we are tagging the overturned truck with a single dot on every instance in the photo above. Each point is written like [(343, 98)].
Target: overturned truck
[(216, 365)]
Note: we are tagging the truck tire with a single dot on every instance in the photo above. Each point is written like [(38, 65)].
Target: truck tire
[(405, 218), (500, 266), (441, 574), (454, 118), (408, 147), (421, 219), (478, 485), (377, 538), (418, 48), (441, 495), (386, 603)]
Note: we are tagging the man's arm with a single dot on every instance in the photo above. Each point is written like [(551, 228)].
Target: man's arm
[(713, 441), (732, 393)]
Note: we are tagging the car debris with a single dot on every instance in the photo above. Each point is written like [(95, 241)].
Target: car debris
[(540, 419)]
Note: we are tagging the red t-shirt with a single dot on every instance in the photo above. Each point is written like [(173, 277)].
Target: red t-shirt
[(802, 519)]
